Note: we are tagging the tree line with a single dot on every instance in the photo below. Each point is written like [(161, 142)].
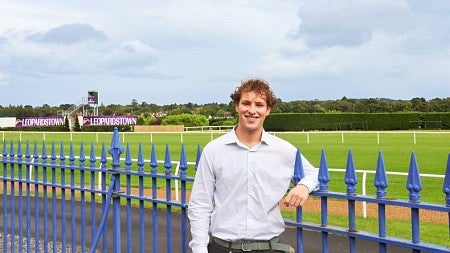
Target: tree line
[(150, 113)]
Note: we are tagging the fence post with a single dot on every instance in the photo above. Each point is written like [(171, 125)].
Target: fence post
[(5, 200), (414, 185), (168, 172), (183, 174), (446, 189), (154, 171), (351, 180), (298, 175), (324, 178), (115, 151), (381, 184)]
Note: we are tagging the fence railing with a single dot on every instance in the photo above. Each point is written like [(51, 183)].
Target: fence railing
[(60, 207), (214, 131)]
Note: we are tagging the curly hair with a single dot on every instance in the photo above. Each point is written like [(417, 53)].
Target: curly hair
[(259, 86)]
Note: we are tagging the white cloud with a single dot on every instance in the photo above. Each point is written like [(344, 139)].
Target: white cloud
[(131, 57), (375, 48), (350, 23), (25, 56), (191, 48), (68, 34)]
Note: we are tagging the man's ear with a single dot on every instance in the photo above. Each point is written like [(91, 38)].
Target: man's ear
[(268, 110)]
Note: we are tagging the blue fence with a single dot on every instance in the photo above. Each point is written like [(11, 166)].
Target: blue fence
[(53, 203)]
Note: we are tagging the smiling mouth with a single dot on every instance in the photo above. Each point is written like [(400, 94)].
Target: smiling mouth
[(251, 116)]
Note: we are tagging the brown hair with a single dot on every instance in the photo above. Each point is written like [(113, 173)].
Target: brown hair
[(260, 86)]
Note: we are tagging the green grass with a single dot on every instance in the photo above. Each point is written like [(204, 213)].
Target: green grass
[(431, 150), (430, 232)]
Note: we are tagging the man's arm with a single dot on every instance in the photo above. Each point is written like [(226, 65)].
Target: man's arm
[(298, 195), (201, 207)]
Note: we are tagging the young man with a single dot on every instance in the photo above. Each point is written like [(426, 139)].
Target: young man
[(241, 178)]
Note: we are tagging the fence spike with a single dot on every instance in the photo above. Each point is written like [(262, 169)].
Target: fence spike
[(115, 149), (11, 151), (298, 168), (35, 154), (199, 154), (167, 161), (103, 159), (446, 187), (19, 150), (92, 158), (27, 152), (53, 153), (71, 154), (414, 184), (324, 174), (350, 175), (44, 152), (380, 181), (128, 160), (82, 157), (154, 160), (183, 161), (140, 161), (62, 155), (4, 153)]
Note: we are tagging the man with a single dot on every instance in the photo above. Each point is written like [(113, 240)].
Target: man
[(241, 178)]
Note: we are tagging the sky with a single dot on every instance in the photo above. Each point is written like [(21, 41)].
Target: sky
[(197, 51)]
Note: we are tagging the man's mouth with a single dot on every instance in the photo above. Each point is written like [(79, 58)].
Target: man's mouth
[(251, 116)]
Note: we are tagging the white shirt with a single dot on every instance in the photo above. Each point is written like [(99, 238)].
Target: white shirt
[(237, 190)]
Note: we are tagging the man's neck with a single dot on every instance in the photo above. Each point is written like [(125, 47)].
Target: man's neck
[(248, 138)]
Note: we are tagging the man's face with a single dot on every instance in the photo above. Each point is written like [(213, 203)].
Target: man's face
[(252, 110)]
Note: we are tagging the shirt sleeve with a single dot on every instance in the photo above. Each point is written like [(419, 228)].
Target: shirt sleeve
[(200, 250), (201, 206), (311, 178)]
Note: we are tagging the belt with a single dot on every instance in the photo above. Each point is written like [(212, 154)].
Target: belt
[(253, 245)]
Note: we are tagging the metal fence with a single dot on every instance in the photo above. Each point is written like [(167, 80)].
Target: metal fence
[(61, 208)]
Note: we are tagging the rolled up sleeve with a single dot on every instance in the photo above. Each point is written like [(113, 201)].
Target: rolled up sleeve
[(201, 207)]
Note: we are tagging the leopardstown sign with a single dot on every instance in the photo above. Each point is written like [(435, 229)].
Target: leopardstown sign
[(109, 120), (39, 121), (86, 121)]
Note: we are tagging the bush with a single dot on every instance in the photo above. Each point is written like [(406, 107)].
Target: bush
[(356, 121), (188, 120)]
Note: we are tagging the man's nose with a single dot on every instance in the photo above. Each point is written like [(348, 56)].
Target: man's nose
[(252, 109)]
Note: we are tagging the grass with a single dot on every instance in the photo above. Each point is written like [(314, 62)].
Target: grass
[(430, 232), (430, 148)]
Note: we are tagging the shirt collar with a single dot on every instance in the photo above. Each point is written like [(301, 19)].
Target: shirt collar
[(231, 137)]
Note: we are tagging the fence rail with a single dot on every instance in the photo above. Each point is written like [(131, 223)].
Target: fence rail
[(212, 130), (60, 203)]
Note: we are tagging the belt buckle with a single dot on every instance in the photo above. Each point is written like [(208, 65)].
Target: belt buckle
[(243, 248)]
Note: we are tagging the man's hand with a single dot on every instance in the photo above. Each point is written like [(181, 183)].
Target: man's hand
[(297, 196)]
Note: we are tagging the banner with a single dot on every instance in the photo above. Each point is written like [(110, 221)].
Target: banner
[(39, 121), (109, 120), (92, 97)]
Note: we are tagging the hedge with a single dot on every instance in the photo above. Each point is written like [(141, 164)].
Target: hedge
[(356, 121)]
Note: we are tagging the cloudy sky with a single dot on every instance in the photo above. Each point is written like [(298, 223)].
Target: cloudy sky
[(173, 51)]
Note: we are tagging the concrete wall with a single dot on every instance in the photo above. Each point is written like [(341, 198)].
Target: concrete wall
[(8, 122)]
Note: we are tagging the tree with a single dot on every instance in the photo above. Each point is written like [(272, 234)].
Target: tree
[(188, 120), (66, 124), (419, 104), (77, 127)]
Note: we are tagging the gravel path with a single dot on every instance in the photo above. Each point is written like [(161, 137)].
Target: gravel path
[(58, 245)]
